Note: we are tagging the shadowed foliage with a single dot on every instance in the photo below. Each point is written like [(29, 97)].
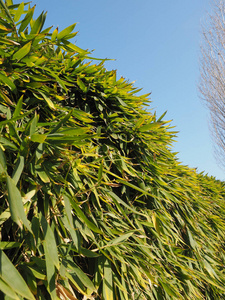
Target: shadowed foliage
[(94, 204)]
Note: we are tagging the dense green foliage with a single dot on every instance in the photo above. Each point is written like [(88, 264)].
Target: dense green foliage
[(94, 204)]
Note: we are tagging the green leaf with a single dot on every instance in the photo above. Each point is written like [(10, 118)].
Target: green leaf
[(71, 47), (6, 99), (81, 85), (119, 200), (18, 169), (9, 2), (5, 216), (40, 151), (82, 216), (49, 242), (8, 291), (16, 204), (107, 281), (162, 116), (6, 143), (51, 274), (51, 256), (9, 272), (57, 78), (7, 81), (121, 101), (42, 174), (156, 222), (48, 100), (19, 12), (9, 245), (26, 19), (3, 160), (68, 223), (7, 41), (79, 278), (66, 31), (37, 272), (73, 131), (169, 290), (61, 122), (33, 124), (100, 170), (3, 123), (119, 239), (151, 126), (18, 107), (54, 35), (38, 138), (22, 51), (38, 24), (4, 28)]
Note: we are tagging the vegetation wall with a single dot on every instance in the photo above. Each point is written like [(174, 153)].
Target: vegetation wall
[(93, 202)]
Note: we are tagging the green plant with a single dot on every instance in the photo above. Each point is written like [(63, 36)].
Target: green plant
[(94, 204)]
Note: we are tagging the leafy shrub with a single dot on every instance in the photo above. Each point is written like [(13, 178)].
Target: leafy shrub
[(94, 204)]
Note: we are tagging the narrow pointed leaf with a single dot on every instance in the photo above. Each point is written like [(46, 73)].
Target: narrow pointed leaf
[(54, 35), (18, 169), (66, 31), (18, 107), (49, 242), (38, 24), (19, 12), (82, 216), (26, 19), (3, 160), (16, 204), (107, 281)]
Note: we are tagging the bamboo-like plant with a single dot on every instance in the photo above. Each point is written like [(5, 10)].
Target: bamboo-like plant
[(94, 204)]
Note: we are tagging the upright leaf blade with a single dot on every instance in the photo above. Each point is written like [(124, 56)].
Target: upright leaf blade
[(38, 24), (16, 204), (18, 169), (19, 12), (49, 242), (26, 19), (107, 281)]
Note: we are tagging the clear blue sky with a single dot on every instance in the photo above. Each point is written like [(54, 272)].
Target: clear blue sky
[(156, 44)]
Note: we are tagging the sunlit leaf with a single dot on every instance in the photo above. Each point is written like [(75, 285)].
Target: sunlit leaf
[(26, 19), (19, 12), (22, 51), (65, 31), (38, 138), (38, 24)]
